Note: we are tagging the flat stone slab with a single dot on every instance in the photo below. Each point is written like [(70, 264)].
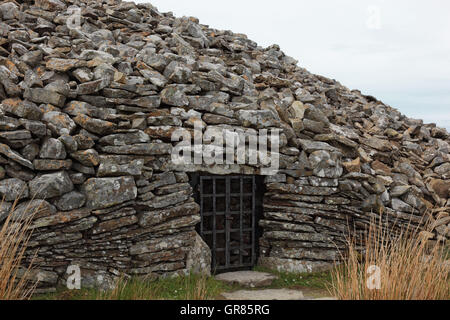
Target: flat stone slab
[(249, 279), (267, 294)]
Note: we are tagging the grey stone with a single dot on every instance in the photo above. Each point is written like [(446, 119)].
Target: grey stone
[(70, 201), (106, 192), (98, 279), (152, 218), (177, 72), (149, 149), (294, 266), (50, 185), (23, 109), (59, 123), (8, 123), (174, 96), (313, 126), (50, 5), (398, 191), (159, 180), (311, 146), (69, 142), (60, 218), (158, 244), (33, 208), (124, 139), (14, 170), (13, 155), (41, 95), (167, 200), (110, 168), (59, 86), (199, 257), (378, 144), (13, 189), (5, 209), (95, 126), (87, 157), (52, 149), (84, 141), (110, 225), (39, 276), (443, 169), (399, 205), (153, 76), (83, 169), (9, 10), (37, 128), (316, 114), (325, 165), (92, 87), (77, 178), (257, 118), (373, 204), (51, 165), (156, 61), (75, 108), (15, 135), (83, 74)]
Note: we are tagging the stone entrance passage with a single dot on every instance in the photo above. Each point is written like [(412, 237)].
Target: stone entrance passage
[(230, 207)]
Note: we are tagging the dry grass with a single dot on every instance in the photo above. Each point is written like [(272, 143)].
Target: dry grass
[(410, 267), (15, 281), (193, 287), (129, 288)]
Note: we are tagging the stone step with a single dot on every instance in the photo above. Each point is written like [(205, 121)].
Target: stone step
[(249, 279), (272, 294), (267, 294)]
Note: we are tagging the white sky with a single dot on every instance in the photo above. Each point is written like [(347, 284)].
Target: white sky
[(397, 51)]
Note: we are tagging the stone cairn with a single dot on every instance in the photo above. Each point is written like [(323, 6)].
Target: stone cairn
[(90, 96)]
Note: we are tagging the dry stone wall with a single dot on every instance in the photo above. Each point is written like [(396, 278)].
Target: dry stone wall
[(91, 95)]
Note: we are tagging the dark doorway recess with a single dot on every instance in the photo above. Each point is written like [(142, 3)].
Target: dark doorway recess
[(230, 208)]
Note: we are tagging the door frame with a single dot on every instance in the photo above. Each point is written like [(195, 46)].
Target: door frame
[(258, 189)]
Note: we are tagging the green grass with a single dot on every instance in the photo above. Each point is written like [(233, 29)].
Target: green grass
[(191, 287)]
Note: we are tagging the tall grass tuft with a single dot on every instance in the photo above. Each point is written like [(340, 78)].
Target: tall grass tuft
[(190, 287), (15, 281), (183, 287), (410, 267), (128, 289)]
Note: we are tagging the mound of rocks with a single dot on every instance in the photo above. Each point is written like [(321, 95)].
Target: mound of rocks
[(91, 92)]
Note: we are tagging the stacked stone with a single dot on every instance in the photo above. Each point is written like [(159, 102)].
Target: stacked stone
[(86, 119)]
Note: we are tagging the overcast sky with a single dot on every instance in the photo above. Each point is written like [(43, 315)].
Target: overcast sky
[(397, 51)]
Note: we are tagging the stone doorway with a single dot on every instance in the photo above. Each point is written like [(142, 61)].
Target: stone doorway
[(230, 209)]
